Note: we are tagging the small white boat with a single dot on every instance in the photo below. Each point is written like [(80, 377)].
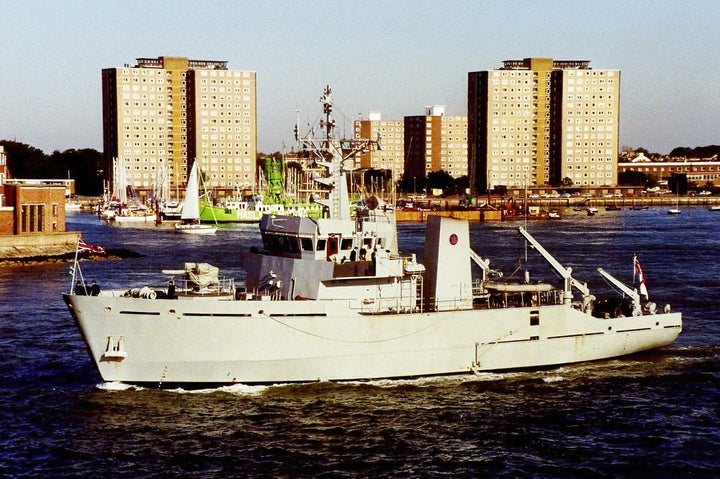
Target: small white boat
[(172, 211), (134, 216), (714, 208), (195, 228), (191, 209), (676, 210), (71, 205)]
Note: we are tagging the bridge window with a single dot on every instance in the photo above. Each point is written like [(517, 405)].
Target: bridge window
[(307, 244)]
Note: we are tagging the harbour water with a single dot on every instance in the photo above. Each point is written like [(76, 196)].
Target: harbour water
[(649, 415)]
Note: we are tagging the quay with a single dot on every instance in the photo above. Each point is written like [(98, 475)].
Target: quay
[(494, 208), (38, 246)]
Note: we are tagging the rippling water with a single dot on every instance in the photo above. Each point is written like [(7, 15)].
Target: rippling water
[(654, 414)]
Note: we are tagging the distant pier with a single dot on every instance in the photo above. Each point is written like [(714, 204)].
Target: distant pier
[(451, 207)]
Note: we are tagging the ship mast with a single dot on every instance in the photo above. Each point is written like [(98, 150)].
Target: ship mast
[(331, 153)]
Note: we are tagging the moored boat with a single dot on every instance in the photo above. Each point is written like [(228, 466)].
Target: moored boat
[(230, 211), (132, 215), (676, 210), (190, 216), (252, 210), (171, 211)]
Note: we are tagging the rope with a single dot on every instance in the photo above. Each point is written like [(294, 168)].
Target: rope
[(354, 341)]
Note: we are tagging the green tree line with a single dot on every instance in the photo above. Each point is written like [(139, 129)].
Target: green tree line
[(84, 166)]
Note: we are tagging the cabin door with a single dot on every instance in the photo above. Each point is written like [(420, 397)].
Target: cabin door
[(332, 246)]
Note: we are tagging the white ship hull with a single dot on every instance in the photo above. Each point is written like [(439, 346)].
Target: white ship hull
[(162, 341)]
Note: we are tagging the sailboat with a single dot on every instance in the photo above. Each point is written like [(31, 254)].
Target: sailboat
[(191, 209), (676, 210)]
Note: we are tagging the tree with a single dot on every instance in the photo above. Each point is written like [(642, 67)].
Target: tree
[(567, 181), (84, 166), (412, 184), (637, 178), (461, 184), (25, 161), (440, 180), (697, 152)]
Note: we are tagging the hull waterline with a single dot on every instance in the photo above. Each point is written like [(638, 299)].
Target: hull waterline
[(166, 341)]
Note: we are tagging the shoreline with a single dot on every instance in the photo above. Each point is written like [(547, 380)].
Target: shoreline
[(110, 255)]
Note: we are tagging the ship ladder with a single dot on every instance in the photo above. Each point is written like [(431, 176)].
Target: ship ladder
[(419, 294)]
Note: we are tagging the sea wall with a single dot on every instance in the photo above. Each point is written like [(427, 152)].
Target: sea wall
[(32, 246), (469, 215)]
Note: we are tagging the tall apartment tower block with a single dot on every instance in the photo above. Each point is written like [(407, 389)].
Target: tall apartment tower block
[(391, 134), (539, 121), (164, 113), (435, 142)]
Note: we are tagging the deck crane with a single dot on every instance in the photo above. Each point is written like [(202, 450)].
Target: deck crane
[(565, 273), (487, 271), (631, 292), (484, 265)]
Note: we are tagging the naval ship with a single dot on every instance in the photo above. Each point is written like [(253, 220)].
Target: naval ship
[(333, 299)]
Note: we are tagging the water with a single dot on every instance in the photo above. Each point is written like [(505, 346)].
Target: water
[(653, 414)]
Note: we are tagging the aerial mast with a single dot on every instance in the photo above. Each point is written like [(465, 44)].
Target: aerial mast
[(331, 152)]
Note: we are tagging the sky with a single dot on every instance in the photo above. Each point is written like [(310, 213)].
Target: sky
[(395, 57)]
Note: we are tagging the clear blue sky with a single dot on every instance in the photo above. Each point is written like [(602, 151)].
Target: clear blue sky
[(391, 56)]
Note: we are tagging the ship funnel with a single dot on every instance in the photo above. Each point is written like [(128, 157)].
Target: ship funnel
[(448, 282)]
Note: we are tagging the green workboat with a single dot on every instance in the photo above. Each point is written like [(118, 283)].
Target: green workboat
[(252, 209)]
